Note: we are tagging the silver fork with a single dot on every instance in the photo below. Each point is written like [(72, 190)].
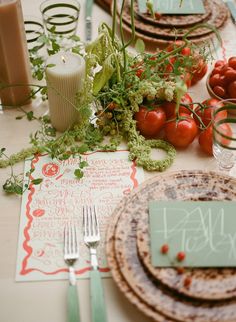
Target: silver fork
[(92, 239), (71, 255)]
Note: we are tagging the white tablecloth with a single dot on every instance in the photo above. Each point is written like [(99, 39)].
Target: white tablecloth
[(46, 301)]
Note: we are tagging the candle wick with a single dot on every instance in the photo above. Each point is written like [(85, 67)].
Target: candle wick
[(63, 59)]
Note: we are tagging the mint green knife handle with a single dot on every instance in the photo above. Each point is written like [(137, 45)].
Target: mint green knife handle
[(97, 298), (89, 6), (73, 304)]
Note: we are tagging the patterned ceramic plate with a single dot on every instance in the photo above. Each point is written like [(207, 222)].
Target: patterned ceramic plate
[(152, 42), (210, 284), (218, 16), (194, 186), (120, 281), (176, 20)]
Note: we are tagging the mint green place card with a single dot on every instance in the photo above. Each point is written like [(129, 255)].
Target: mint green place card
[(174, 7), (203, 232)]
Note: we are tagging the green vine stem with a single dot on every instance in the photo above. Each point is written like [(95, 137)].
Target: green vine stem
[(114, 11), (19, 156), (32, 95), (203, 25), (132, 24)]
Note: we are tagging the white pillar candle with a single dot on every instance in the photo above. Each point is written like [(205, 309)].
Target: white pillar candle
[(64, 80)]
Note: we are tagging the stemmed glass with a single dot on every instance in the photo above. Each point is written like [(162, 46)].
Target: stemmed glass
[(224, 134)]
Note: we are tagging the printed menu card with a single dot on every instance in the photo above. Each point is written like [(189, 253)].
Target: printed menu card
[(174, 6), (59, 198), (193, 233)]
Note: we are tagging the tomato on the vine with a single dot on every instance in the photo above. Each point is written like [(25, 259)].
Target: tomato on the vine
[(181, 132), (206, 137), (232, 62), (222, 79), (219, 63), (139, 72), (232, 89), (205, 113), (150, 120), (206, 140), (186, 51), (170, 107), (199, 71), (187, 78)]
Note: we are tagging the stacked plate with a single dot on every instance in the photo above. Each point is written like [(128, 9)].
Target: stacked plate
[(105, 4), (161, 293), (167, 28)]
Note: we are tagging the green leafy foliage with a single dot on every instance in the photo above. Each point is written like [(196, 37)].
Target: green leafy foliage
[(116, 84), (140, 46), (78, 173), (36, 181)]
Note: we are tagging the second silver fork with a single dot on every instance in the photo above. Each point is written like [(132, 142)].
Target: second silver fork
[(71, 255), (92, 239)]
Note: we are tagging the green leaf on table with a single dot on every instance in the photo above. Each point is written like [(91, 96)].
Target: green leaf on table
[(39, 75), (78, 173), (19, 117), (76, 50), (12, 187), (50, 131), (43, 39), (103, 76), (83, 164), (75, 38), (30, 115), (2, 151), (50, 65), (83, 148), (55, 46), (37, 181), (37, 61), (150, 9), (53, 29), (140, 46)]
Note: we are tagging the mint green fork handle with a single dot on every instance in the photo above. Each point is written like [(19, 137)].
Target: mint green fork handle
[(89, 7), (98, 307), (73, 304)]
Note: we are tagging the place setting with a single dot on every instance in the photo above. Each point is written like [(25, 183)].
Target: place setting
[(165, 284)]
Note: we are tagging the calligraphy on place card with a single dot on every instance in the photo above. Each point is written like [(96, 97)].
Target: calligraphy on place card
[(174, 7), (203, 232)]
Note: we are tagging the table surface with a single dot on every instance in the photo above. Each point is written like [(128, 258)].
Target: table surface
[(46, 301)]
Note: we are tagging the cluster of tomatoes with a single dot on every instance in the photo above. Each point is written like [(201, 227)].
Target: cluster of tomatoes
[(223, 78), (180, 129), (188, 64), (196, 67)]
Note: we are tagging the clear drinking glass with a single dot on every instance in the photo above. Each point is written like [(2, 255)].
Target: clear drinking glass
[(224, 135), (60, 17)]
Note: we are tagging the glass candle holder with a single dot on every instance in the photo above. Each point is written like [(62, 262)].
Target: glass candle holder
[(224, 135), (33, 29), (60, 17)]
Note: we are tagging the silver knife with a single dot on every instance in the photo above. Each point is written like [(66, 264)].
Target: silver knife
[(88, 20), (232, 8)]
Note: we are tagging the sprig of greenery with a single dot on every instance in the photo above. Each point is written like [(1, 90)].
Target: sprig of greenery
[(15, 184)]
